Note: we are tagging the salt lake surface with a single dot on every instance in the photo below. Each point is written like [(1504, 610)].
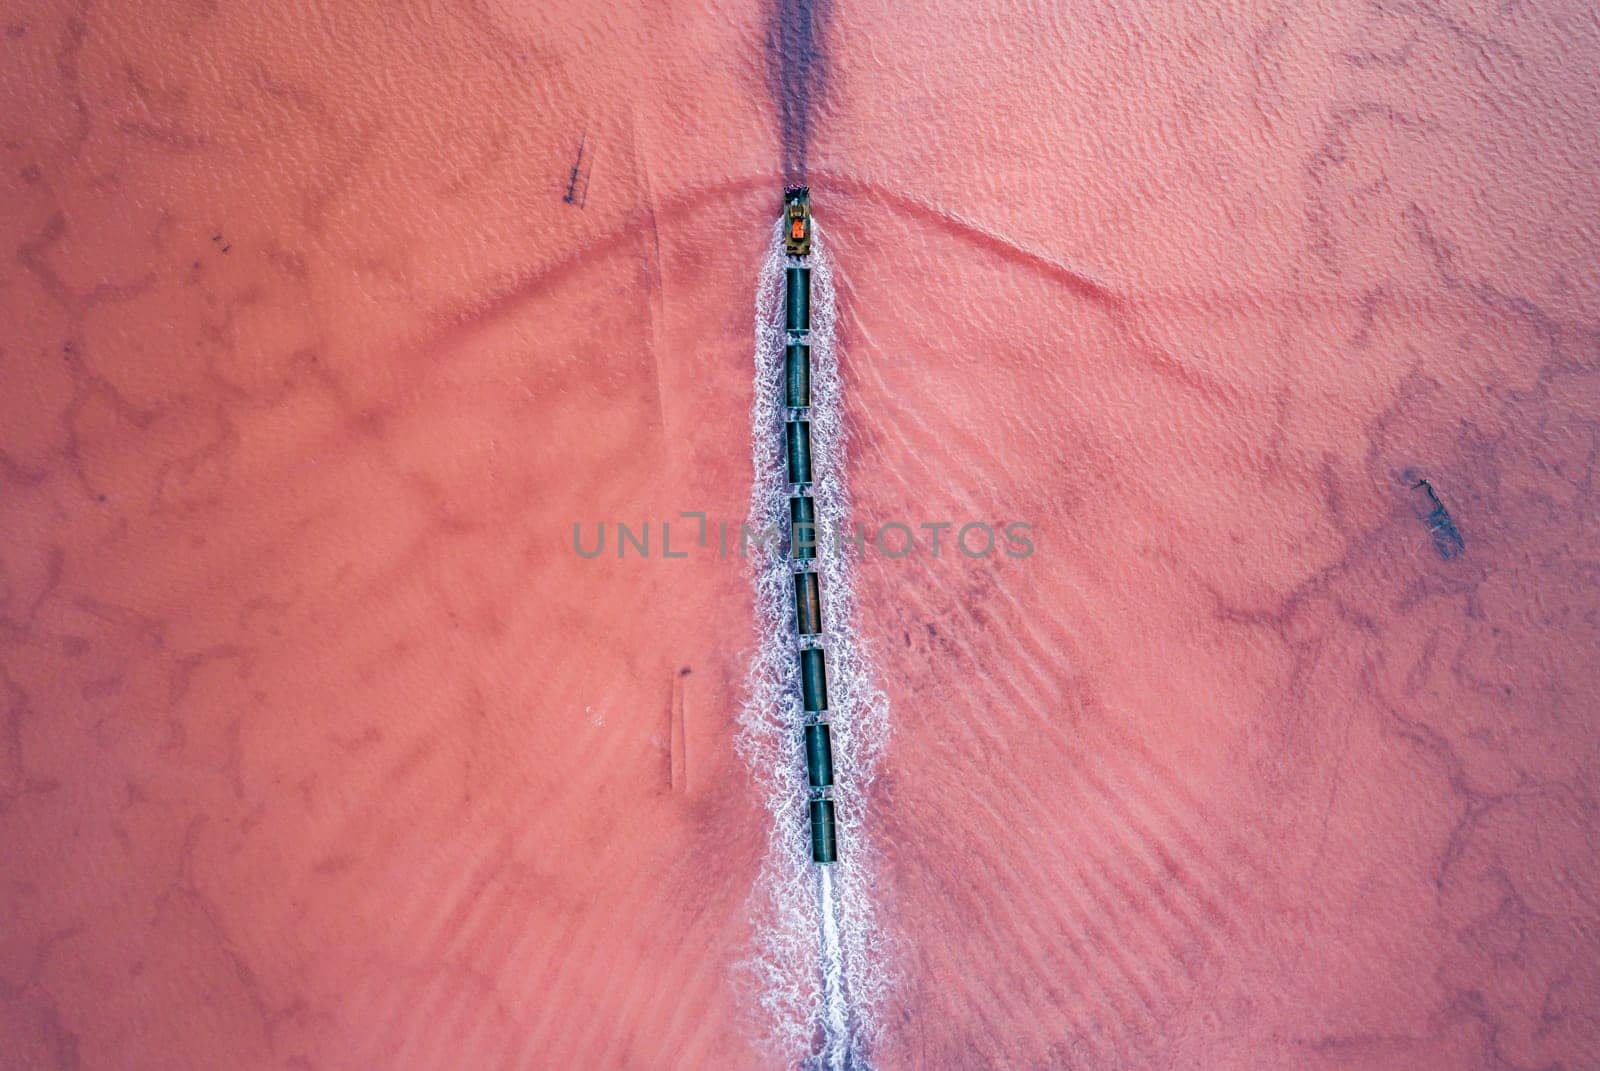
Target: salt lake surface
[(322, 746)]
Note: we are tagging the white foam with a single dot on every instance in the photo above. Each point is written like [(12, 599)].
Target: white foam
[(821, 963), (835, 1005)]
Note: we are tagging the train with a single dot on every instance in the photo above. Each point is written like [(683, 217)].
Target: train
[(817, 735)]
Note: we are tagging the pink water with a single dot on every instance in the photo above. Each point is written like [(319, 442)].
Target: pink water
[(320, 747)]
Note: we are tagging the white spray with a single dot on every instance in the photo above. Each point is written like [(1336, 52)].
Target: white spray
[(820, 963)]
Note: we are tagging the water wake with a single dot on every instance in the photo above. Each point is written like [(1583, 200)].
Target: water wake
[(820, 964), (836, 1011)]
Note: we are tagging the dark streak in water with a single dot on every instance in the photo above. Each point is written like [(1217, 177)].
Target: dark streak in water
[(578, 181), (1447, 539), (796, 74)]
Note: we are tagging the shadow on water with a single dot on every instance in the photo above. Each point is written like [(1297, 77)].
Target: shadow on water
[(796, 74)]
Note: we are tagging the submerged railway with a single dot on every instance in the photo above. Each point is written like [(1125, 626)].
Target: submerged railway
[(817, 737)]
